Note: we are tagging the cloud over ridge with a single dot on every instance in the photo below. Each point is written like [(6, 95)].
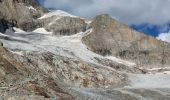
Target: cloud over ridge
[(164, 37), (127, 11)]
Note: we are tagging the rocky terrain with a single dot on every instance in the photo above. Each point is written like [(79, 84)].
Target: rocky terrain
[(58, 56)]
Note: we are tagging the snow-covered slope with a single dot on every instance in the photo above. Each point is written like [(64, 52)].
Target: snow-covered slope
[(59, 13)]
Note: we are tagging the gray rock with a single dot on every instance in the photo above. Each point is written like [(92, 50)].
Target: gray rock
[(64, 25), (20, 13)]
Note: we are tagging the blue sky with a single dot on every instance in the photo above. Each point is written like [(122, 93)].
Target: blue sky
[(149, 16), (151, 29)]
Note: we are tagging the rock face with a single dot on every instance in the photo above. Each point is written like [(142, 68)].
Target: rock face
[(64, 25), (19, 13), (109, 37)]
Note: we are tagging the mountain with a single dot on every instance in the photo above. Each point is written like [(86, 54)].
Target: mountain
[(109, 37), (55, 55)]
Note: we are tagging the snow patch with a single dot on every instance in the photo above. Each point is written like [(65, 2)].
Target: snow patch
[(31, 8), (128, 63), (17, 52), (18, 30), (57, 13), (88, 21), (42, 30)]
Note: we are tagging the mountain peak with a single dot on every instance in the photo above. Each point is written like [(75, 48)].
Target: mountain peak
[(110, 37)]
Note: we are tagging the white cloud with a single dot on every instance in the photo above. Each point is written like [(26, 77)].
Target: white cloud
[(164, 37), (127, 11)]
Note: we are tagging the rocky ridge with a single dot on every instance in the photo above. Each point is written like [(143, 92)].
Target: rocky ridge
[(109, 37)]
